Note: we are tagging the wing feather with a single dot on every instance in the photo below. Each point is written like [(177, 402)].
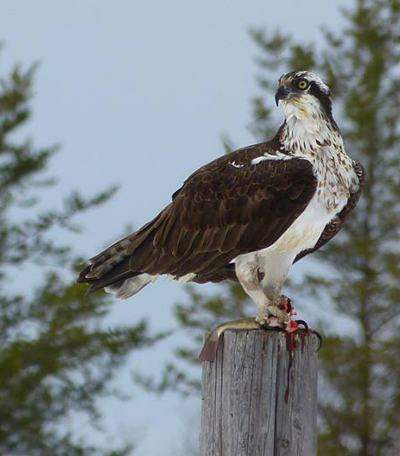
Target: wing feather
[(220, 212)]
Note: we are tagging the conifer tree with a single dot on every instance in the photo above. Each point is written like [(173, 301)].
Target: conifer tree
[(56, 357)]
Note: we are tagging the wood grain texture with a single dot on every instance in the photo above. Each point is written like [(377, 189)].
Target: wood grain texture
[(245, 409)]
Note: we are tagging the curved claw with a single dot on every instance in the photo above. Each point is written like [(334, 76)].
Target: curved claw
[(303, 323), (306, 327), (320, 339)]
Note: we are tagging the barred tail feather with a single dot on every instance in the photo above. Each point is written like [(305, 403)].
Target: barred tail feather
[(126, 259)]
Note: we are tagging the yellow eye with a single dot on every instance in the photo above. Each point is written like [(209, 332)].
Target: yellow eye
[(302, 84)]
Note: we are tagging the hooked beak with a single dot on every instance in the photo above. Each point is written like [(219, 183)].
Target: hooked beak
[(281, 94)]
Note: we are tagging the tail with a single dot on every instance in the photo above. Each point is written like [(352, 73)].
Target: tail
[(135, 261), (129, 287), (119, 268)]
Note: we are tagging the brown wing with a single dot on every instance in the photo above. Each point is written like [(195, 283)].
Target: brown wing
[(337, 223), (226, 208), (227, 272)]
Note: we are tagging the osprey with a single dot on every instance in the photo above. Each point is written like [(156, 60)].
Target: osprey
[(249, 215)]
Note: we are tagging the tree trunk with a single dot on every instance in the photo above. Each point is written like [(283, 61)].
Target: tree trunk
[(260, 396)]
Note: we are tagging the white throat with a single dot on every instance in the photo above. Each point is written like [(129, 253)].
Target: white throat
[(306, 126)]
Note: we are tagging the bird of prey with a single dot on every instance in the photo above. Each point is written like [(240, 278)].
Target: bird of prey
[(248, 215)]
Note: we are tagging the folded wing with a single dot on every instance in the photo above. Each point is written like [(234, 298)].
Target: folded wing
[(229, 207)]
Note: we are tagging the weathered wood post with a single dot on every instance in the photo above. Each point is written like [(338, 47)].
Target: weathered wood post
[(259, 398)]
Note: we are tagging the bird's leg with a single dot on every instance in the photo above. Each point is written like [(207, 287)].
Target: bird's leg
[(279, 313), (249, 277), (275, 311)]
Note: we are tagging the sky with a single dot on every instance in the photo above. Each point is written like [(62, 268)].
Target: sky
[(138, 93)]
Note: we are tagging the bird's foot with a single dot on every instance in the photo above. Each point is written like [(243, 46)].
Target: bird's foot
[(279, 315), (294, 326)]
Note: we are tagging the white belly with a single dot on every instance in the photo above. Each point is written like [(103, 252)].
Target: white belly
[(307, 228), (277, 259), (301, 235)]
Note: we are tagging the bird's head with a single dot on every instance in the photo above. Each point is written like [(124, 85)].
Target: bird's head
[(303, 95)]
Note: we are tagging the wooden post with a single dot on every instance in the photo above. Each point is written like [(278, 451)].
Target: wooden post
[(259, 398)]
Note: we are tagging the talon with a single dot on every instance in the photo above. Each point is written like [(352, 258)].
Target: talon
[(261, 321), (280, 316), (303, 323), (269, 322), (320, 339)]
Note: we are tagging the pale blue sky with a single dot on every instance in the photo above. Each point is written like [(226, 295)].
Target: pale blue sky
[(138, 93)]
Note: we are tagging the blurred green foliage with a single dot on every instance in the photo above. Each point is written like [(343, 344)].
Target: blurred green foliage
[(356, 276), (56, 355)]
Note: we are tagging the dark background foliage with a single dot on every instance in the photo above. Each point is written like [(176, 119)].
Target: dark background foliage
[(57, 356)]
